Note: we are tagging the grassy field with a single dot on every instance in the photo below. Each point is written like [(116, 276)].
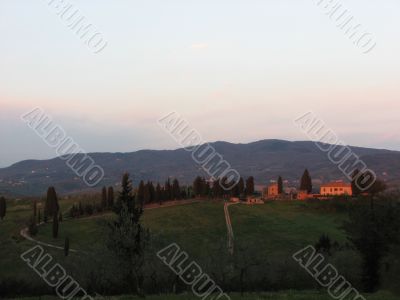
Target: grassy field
[(276, 229), (289, 295)]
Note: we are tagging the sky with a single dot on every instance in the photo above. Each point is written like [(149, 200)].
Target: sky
[(236, 70)]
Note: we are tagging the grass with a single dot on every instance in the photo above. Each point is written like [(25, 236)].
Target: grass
[(283, 227), (285, 295), (276, 228)]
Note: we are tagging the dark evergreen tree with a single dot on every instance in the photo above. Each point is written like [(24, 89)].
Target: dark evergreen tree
[(140, 192), (39, 217), (80, 209), (128, 239), (250, 186), (152, 191), (163, 194), (241, 186), (51, 205), (176, 190), (3, 208), (306, 182), (373, 230), (158, 195), (104, 197), (147, 193), (168, 190), (55, 226), (226, 189), (110, 198), (198, 186), (354, 185), (183, 193), (217, 189), (126, 197), (205, 188), (60, 217), (280, 185)]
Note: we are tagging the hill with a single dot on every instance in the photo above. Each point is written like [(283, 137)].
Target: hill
[(265, 235), (264, 160)]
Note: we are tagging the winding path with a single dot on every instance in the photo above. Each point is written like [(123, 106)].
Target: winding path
[(231, 236), (25, 234), (25, 231)]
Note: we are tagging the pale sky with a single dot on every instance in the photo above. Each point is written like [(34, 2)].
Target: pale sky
[(237, 70)]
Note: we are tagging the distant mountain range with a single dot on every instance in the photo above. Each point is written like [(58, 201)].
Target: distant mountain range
[(265, 160)]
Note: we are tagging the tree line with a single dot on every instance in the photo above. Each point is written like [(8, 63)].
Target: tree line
[(217, 188)]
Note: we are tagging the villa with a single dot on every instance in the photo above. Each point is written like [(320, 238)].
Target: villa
[(336, 189)]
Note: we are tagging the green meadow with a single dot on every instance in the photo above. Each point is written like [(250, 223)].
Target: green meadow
[(271, 232)]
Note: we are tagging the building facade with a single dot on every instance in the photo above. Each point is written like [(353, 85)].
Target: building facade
[(273, 190), (336, 189)]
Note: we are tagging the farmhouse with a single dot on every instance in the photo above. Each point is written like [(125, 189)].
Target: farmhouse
[(273, 190), (336, 189)]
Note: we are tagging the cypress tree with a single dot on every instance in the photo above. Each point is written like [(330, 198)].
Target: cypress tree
[(51, 205), (250, 186), (60, 217), (168, 190), (80, 208), (184, 194), (110, 199), (104, 197), (217, 189), (176, 190), (280, 185), (240, 186), (152, 192), (306, 182), (147, 193), (39, 217), (205, 188), (158, 195), (126, 198), (3, 208), (128, 238), (140, 192), (354, 186), (197, 186), (55, 226)]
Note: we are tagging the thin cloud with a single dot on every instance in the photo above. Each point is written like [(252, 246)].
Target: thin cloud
[(199, 46)]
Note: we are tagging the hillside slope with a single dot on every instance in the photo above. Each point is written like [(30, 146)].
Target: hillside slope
[(265, 160)]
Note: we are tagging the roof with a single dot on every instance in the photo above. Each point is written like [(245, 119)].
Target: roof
[(336, 184)]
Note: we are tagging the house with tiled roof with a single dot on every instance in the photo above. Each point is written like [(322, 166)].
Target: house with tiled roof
[(338, 188)]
